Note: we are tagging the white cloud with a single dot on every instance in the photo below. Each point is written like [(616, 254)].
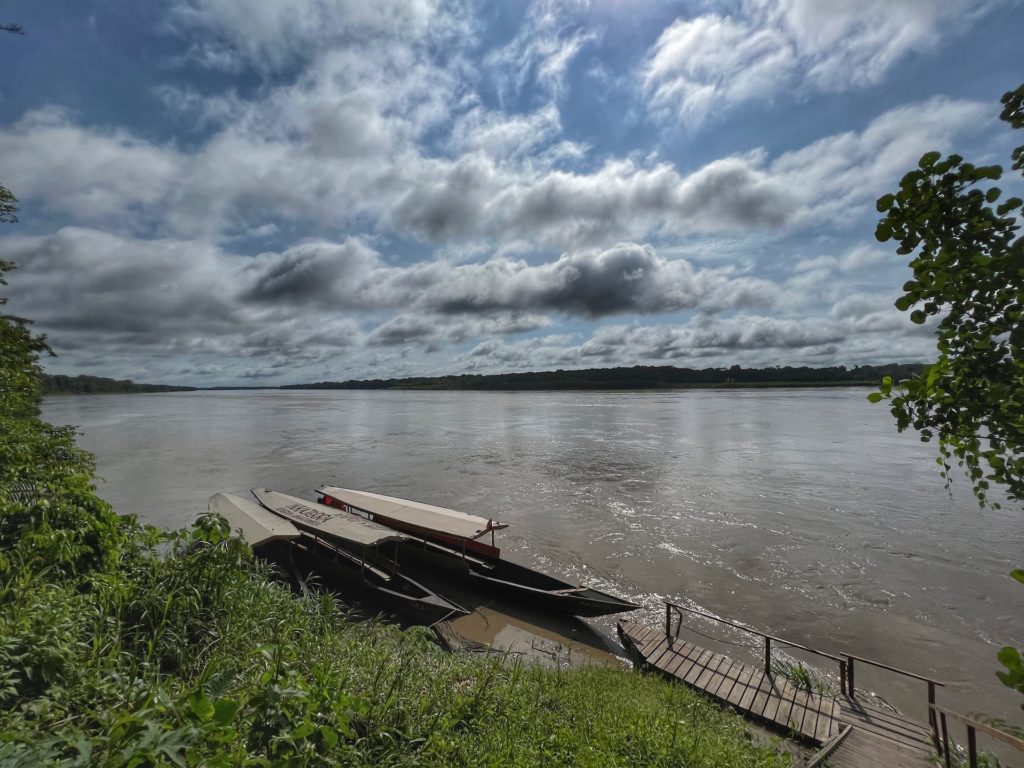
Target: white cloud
[(273, 34), (321, 153), (91, 174), (705, 65), (836, 175), (502, 135), (540, 54), (855, 259), (858, 330), (701, 64)]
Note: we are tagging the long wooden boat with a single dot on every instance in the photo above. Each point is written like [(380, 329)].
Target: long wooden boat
[(456, 530), (449, 539), (349, 562)]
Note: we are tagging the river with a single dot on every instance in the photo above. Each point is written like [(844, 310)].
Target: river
[(801, 512)]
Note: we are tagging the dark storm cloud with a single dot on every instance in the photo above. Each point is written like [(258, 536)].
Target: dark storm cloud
[(473, 198), (434, 328), (321, 272), (627, 278)]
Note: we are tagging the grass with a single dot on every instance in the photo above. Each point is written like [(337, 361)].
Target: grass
[(199, 658), (804, 677)]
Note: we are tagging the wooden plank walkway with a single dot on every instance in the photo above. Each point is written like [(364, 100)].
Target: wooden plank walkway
[(749, 690), (875, 738), (881, 737)]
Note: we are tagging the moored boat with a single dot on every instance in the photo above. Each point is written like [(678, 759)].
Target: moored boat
[(257, 525), (449, 539), (449, 527), (342, 555)]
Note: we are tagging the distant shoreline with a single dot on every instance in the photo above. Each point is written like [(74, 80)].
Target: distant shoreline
[(649, 378)]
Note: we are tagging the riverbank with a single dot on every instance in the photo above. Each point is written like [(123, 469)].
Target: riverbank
[(199, 657)]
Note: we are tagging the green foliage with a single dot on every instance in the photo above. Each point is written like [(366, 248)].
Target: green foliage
[(121, 645), (1013, 677), (58, 383), (198, 657), (968, 265), (804, 677), (8, 206), (50, 515)]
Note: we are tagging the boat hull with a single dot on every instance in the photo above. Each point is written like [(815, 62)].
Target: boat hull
[(517, 582), (313, 562)]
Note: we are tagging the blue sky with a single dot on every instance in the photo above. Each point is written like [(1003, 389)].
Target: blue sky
[(216, 192)]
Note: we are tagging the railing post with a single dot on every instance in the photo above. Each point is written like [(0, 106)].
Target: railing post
[(842, 677), (668, 622), (945, 741), (768, 656), (932, 721), (851, 689), (972, 746)]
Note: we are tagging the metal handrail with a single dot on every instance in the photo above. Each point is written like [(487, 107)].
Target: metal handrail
[(751, 631), (893, 669), (846, 661), (973, 726)]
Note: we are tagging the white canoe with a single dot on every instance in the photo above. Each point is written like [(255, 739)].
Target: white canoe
[(413, 513), (257, 525), (325, 521)]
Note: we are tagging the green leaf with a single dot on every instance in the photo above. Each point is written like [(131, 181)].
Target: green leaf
[(329, 735), (1009, 205), (917, 316), (224, 711), (883, 231), (1009, 657), (929, 159), (1018, 574), (200, 705), (302, 731), (903, 303), (875, 397), (992, 195), (885, 202)]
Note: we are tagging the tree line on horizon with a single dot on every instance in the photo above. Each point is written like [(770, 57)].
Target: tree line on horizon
[(57, 384), (640, 377)]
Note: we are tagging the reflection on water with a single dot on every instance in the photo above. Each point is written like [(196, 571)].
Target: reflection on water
[(800, 512)]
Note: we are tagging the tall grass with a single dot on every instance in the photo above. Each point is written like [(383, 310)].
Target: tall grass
[(198, 657)]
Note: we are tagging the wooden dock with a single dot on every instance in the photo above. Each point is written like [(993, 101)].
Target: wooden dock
[(751, 691), (848, 730)]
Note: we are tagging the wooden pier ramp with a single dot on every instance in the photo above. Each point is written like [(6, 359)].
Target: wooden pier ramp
[(847, 729), (749, 690)]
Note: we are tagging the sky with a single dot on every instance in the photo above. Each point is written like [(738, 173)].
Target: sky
[(218, 193)]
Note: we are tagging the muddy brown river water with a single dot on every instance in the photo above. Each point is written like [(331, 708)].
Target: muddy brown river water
[(800, 512)]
